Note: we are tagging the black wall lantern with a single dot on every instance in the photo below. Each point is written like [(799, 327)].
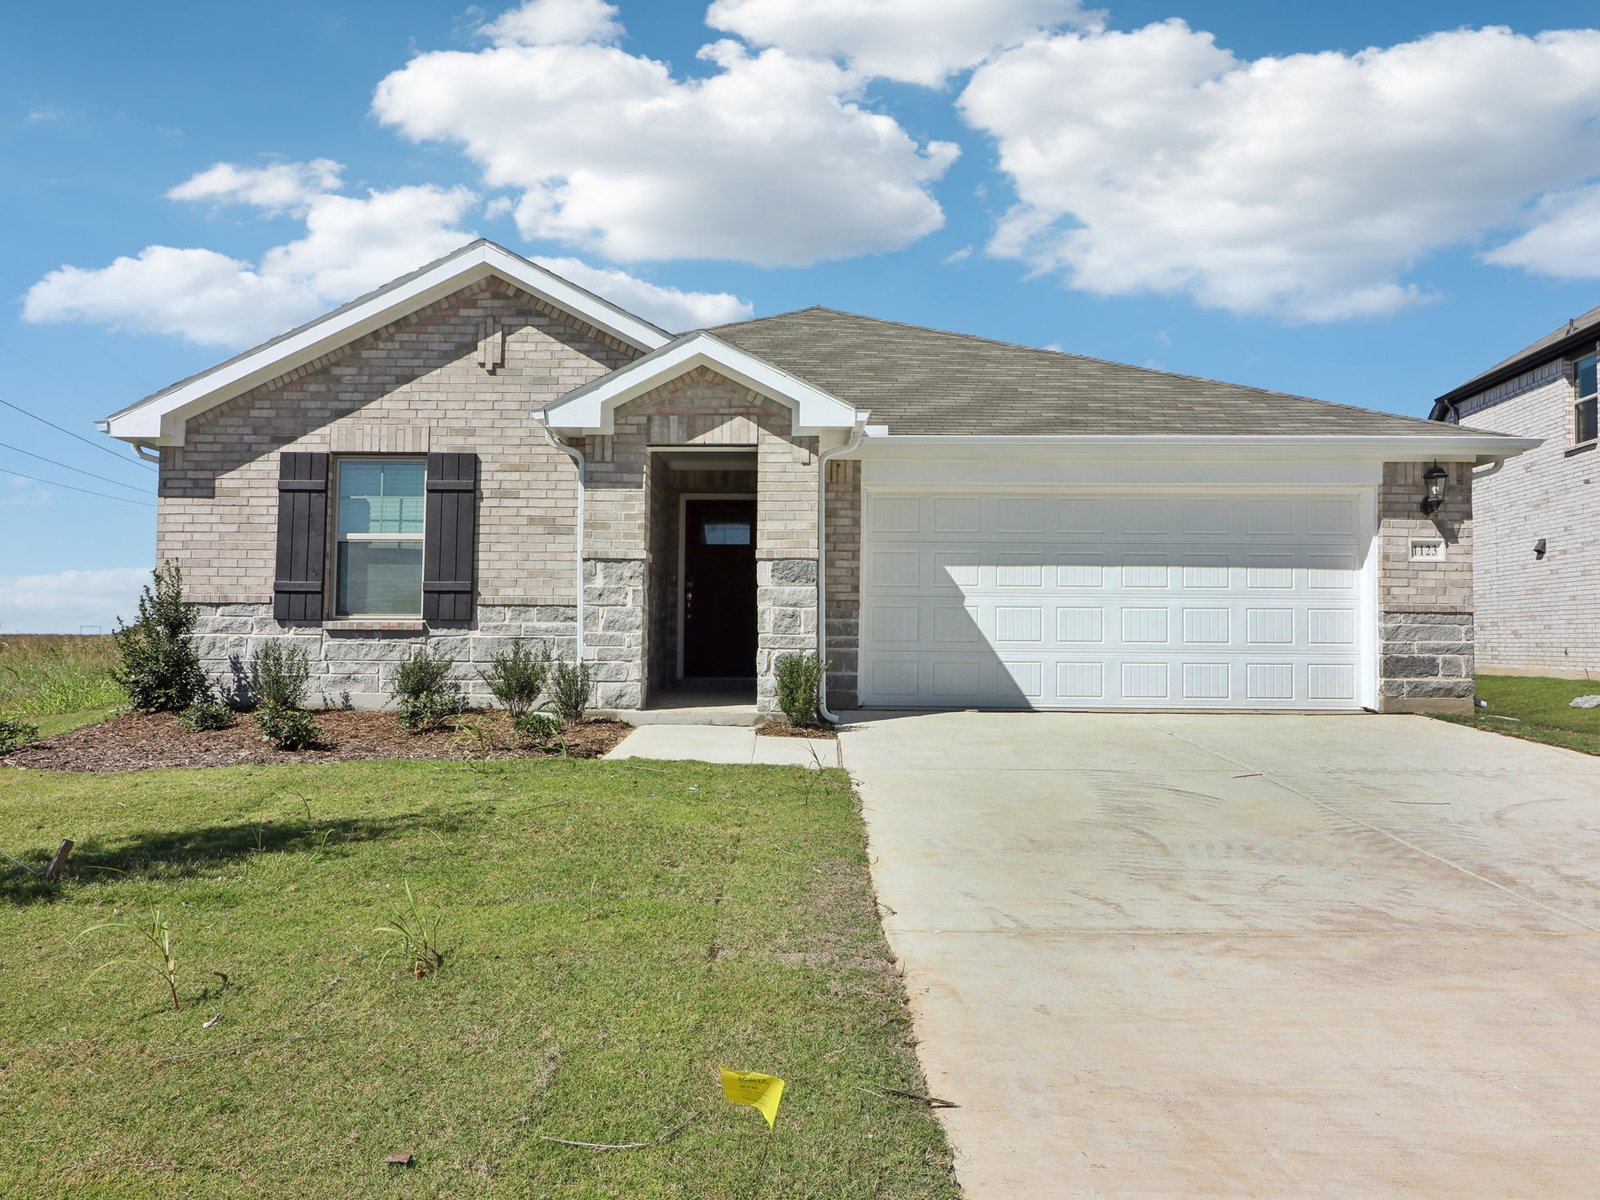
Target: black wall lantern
[(1434, 480)]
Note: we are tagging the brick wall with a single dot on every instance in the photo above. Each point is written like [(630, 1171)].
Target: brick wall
[(1537, 615), (1425, 607), (411, 387), (628, 491)]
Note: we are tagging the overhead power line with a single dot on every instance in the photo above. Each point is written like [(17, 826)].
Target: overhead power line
[(71, 488), (132, 487), (134, 462)]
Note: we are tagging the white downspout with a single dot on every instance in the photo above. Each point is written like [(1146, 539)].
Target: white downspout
[(576, 456), (822, 561), (142, 449)]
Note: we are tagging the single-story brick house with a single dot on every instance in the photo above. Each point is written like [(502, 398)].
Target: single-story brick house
[(1536, 566), (482, 450)]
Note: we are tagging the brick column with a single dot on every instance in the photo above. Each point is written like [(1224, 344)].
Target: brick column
[(1425, 649)]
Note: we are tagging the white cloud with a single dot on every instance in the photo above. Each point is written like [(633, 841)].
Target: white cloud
[(665, 306), (351, 245), (1306, 186), (555, 23), (915, 41), (68, 600), (769, 160), (23, 493), (276, 188), (1564, 240)]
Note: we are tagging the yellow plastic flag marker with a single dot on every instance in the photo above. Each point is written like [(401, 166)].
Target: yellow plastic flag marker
[(758, 1091)]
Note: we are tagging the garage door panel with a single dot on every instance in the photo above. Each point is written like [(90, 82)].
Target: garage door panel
[(1023, 600)]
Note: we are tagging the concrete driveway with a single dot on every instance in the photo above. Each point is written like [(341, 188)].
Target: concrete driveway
[(1284, 956)]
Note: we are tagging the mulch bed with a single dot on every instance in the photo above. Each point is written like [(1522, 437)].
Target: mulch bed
[(146, 741), (777, 727)]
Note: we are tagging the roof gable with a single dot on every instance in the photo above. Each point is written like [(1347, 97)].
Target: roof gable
[(590, 408), (159, 419)]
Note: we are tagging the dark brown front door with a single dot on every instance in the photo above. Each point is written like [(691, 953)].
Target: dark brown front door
[(719, 589)]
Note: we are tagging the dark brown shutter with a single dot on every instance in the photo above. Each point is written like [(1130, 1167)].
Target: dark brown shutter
[(451, 537), (302, 536)]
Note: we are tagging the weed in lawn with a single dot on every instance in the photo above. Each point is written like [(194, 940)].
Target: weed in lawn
[(157, 935), (476, 740), (419, 937)]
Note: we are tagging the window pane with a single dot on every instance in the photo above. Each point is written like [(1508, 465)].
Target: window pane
[(1586, 376), (381, 495), (725, 533), (380, 578), (1584, 424)]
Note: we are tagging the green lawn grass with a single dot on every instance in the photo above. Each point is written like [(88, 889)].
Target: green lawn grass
[(1541, 708), (613, 933)]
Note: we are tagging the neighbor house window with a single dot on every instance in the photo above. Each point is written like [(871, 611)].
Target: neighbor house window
[(378, 552), (1585, 418)]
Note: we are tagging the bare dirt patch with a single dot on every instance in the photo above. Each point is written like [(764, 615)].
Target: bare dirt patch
[(778, 727), (147, 741)]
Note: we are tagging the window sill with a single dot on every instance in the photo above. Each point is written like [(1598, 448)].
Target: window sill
[(376, 625), (1580, 448)]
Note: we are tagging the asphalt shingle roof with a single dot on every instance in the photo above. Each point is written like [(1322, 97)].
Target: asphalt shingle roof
[(925, 381)]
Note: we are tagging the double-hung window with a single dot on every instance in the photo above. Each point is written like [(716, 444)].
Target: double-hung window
[(1585, 418), (378, 549)]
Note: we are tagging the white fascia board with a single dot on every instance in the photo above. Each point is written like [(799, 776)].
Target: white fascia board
[(1220, 448), (160, 419), (590, 409)]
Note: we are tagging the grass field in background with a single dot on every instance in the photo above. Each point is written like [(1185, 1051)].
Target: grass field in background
[(1540, 709), (612, 934), (58, 681)]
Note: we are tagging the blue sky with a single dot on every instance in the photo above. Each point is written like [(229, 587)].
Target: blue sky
[(1364, 202)]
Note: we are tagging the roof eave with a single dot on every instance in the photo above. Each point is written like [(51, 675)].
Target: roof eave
[(1452, 447)]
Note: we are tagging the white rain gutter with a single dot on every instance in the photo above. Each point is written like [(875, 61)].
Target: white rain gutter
[(823, 460), (582, 464)]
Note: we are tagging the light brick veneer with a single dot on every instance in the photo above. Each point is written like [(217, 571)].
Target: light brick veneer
[(411, 387), (628, 503), (1425, 651), (1537, 615)]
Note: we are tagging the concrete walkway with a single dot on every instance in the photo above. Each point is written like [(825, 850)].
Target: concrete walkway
[(1268, 956), (725, 744)]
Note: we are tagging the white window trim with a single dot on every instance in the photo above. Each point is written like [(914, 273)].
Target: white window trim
[(338, 537)]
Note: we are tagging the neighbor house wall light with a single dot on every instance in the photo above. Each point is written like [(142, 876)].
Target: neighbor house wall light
[(1434, 480)]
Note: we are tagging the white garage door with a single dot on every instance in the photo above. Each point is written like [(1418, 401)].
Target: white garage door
[(1040, 600)]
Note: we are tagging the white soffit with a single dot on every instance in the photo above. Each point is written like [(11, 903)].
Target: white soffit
[(589, 409), (159, 419)]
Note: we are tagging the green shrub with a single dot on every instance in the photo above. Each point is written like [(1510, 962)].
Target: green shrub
[(160, 667), (15, 733), (423, 692), (205, 715), (287, 728), (535, 727), (279, 673), (799, 687), (516, 677), (570, 685)]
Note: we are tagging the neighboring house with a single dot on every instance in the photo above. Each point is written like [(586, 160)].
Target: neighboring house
[(1536, 569), (443, 460)]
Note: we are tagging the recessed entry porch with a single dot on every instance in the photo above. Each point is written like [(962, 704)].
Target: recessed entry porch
[(702, 588)]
